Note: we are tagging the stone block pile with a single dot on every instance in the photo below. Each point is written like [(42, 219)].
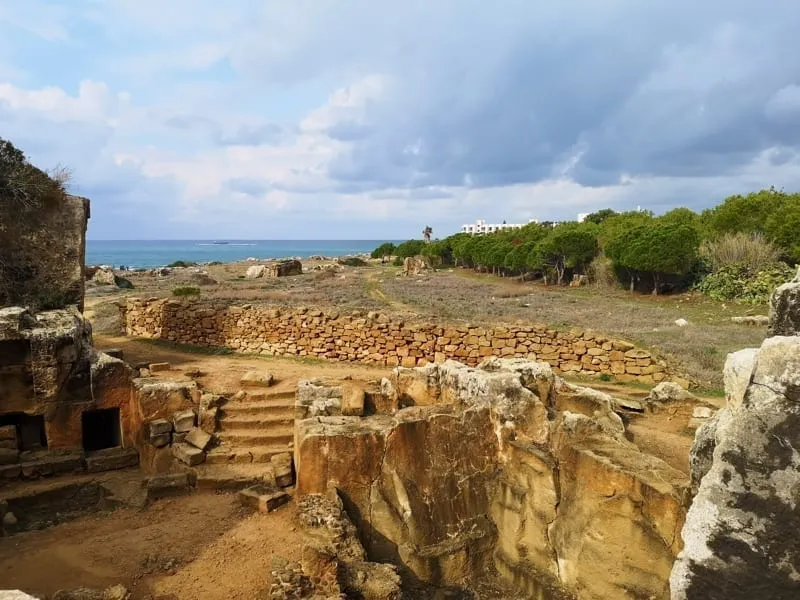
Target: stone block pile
[(383, 340), (188, 438)]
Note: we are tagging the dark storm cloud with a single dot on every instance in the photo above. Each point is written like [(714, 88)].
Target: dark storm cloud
[(488, 95)]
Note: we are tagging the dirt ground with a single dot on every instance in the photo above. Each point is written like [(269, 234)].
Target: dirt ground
[(201, 546)]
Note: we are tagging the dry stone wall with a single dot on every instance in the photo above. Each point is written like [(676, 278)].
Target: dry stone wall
[(379, 339)]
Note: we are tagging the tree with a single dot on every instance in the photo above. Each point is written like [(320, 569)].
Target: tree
[(783, 228), (409, 248), (568, 246), (656, 249), (599, 216), (745, 214), (384, 251)]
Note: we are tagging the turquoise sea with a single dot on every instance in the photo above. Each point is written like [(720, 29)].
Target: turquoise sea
[(157, 253)]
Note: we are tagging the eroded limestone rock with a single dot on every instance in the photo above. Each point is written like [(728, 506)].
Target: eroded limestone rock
[(500, 467), (737, 536), (784, 309)]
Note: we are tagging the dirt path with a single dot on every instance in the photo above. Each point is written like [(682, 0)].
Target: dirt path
[(199, 546), (221, 372)]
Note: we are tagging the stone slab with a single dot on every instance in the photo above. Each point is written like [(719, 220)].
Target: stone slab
[(162, 366), (199, 438), (161, 440), (188, 454), (112, 459), (282, 467), (114, 352), (183, 421), (262, 498), (159, 427), (168, 484), (352, 401)]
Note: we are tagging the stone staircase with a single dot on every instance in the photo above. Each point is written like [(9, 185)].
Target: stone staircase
[(253, 429)]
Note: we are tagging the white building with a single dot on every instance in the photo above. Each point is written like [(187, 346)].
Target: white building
[(480, 227)]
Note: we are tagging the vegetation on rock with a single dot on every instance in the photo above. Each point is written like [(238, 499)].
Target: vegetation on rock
[(186, 290)]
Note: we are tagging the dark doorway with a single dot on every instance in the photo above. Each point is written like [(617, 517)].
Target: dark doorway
[(101, 429), (30, 430)]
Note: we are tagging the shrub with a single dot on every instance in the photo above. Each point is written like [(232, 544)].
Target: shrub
[(601, 273), (186, 290), (750, 250), (409, 248), (353, 261), (123, 283), (383, 251), (182, 263), (736, 282)]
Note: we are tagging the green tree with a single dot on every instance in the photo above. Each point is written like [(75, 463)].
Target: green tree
[(655, 249), (568, 246), (783, 228), (745, 214), (409, 248), (384, 251), (599, 216)]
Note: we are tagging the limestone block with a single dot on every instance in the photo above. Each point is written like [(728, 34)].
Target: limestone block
[(257, 379), (352, 401), (112, 459), (183, 421), (161, 366), (199, 438), (188, 454), (737, 373), (282, 467), (262, 498), (167, 484)]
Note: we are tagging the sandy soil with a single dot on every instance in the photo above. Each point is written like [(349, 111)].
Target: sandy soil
[(202, 546), (220, 373)]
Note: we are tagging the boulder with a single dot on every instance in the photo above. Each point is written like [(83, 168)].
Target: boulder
[(104, 276), (736, 374), (667, 392), (737, 544), (784, 309), (255, 272), (257, 378), (284, 268), (414, 265), (201, 279), (282, 466)]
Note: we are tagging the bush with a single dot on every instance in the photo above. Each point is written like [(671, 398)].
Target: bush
[(736, 282), (384, 250), (353, 261), (182, 263), (409, 248), (123, 283), (186, 290), (601, 273), (750, 250)]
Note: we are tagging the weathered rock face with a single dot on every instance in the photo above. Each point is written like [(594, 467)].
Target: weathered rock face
[(43, 254), (51, 376), (501, 468), (738, 533), (333, 564), (784, 309)]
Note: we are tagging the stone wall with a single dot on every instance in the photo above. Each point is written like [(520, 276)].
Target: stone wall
[(381, 340)]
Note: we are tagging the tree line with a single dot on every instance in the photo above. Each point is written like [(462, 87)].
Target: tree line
[(746, 235)]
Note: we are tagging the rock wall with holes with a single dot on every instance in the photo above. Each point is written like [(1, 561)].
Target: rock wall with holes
[(501, 469), (382, 340)]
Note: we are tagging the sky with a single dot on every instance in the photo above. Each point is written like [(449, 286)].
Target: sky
[(370, 119)]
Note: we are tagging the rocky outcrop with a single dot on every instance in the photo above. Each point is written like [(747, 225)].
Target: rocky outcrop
[(333, 564), (746, 472), (415, 265), (784, 308), (500, 469), (282, 268)]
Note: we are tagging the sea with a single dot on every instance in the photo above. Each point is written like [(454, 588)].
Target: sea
[(145, 254)]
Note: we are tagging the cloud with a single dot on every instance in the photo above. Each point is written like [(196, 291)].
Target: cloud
[(373, 114)]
